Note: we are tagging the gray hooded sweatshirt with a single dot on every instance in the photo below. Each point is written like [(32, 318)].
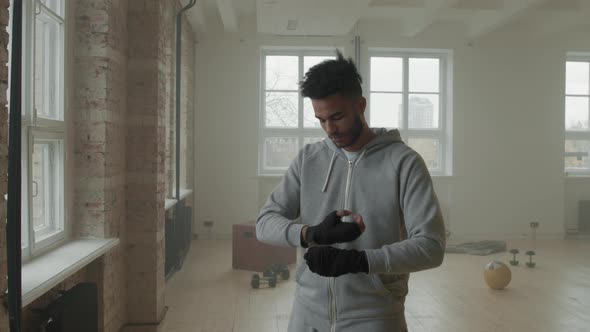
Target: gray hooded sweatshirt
[(389, 185)]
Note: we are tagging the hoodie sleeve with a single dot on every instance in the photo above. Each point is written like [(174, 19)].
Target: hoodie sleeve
[(425, 245), (275, 224)]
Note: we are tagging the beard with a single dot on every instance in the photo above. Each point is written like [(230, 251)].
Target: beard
[(353, 134)]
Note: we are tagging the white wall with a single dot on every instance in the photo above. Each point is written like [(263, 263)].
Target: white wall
[(508, 128)]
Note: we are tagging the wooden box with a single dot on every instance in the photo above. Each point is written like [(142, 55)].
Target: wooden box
[(250, 254)]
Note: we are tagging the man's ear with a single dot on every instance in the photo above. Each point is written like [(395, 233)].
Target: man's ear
[(362, 104)]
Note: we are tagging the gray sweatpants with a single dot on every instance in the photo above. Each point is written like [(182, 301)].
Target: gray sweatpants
[(299, 323)]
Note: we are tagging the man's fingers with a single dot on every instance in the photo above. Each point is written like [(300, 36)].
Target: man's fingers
[(342, 213), (359, 220)]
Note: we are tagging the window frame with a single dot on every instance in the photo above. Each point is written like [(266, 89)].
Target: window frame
[(583, 135), (56, 232), (35, 127), (444, 131), (300, 132)]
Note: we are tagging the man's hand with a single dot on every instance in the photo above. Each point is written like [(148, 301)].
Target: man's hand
[(332, 230), (334, 262)]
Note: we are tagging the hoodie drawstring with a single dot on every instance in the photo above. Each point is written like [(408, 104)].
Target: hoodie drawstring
[(332, 166), (359, 158), (329, 171)]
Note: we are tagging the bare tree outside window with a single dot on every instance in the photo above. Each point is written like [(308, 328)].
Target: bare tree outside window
[(288, 119)]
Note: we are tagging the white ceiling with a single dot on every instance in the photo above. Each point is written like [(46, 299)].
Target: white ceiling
[(338, 17)]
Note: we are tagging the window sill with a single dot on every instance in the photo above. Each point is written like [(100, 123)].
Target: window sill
[(45, 272), (171, 202), (576, 175)]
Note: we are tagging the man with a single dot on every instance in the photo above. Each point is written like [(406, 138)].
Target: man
[(368, 211)]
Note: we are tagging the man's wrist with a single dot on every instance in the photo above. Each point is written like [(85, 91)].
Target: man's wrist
[(303, 237)]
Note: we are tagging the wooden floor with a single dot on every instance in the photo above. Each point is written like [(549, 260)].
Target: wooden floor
[(208, 296)]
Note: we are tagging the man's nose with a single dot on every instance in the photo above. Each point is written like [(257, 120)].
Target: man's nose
[(331, 129)]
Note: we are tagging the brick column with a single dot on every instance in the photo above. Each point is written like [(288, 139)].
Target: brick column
[(146, 133), (100, 103)]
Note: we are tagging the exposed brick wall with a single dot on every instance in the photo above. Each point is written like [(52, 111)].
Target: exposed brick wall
[(122, 103), (145, 136), (99, 117), (3, 151), (100, 104), (167, 67), (150, 147)]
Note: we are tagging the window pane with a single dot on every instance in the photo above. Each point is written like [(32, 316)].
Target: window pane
[(576, 113), (577, 76), (279, 152), (24, 206), (386, 110), (429, 149), (311, 140), (281, 109), (47, 75), (576, 154), (423, 111), (309, 119), (386, 74), (312, 60), (54, 5), (424, 75), (45, 188), (282, 72)]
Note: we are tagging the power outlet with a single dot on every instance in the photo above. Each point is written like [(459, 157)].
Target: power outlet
[(208, 225), (534, 225)]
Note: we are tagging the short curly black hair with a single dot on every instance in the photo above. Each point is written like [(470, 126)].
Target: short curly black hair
[(332, 77)]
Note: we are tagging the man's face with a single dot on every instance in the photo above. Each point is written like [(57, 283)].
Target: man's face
[(340, 117)]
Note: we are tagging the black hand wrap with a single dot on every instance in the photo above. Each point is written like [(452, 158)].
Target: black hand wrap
[(332, 230), (334, 262)]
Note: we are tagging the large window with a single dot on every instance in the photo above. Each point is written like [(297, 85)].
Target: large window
[(410, 90), (43, 126), (577, 114), (287, 120)]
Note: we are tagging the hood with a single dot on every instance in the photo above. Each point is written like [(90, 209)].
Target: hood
[(383, 139)]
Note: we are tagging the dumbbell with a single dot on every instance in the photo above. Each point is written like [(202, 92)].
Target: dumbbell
[(277, 269), (530, 263), (283, 271), (514, 262), (256, 280)]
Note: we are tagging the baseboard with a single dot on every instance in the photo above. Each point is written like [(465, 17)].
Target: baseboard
[(577, 236), (467, 237)]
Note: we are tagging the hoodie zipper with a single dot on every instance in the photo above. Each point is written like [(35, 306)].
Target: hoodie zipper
[(332, 279), (332, 305), (347, 191)]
